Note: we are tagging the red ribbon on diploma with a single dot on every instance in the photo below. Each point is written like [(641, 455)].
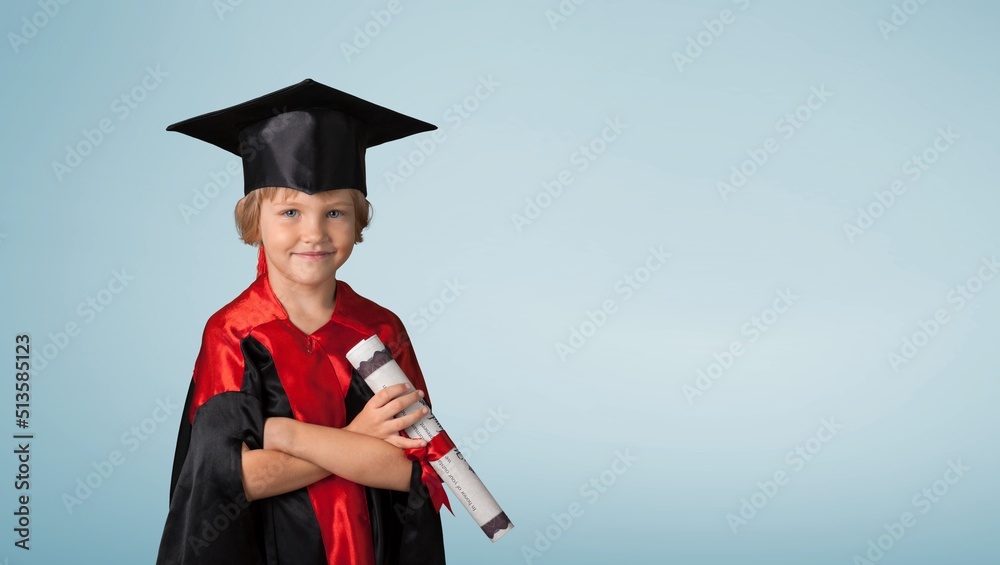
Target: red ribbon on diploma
[(435, 449)]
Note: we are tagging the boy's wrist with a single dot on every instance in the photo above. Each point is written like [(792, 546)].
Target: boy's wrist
[(277, 434)]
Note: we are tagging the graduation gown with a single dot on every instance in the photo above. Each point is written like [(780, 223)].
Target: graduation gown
[(254, 364)]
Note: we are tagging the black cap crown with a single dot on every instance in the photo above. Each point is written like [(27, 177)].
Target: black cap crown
[(307, 136)]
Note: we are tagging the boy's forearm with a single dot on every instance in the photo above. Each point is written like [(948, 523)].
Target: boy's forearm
[(363, 459), (268, 472)]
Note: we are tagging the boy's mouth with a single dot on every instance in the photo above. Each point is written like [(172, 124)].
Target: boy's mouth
[(314, 255)]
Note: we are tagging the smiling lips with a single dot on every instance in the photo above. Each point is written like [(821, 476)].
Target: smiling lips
[(314, 255)]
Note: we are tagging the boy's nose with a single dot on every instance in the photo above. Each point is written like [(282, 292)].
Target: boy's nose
[(313, 231)]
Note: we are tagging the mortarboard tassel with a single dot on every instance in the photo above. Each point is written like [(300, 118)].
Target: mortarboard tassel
[(261, 262)]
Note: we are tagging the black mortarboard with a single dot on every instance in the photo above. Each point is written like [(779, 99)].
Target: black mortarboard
[(307, 136)]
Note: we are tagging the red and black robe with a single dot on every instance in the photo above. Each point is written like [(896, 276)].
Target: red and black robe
[(255, 364)]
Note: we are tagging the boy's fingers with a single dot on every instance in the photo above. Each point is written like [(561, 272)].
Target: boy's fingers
[(402, 402), (408, 420), (404, 443), (388, 393)]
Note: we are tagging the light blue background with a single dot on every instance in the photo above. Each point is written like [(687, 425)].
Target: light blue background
[(495, 347)]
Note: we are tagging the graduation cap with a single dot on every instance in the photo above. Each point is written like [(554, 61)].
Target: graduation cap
[(307, 136)]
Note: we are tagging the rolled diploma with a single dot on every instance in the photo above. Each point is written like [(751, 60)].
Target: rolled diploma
[(382, 371)]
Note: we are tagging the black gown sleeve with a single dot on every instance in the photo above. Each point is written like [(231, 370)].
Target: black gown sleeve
[(210, 520)]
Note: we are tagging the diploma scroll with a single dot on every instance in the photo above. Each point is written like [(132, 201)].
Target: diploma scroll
[(375, 364)]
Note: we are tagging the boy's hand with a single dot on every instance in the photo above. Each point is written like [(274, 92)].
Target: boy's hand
[(377, 419)]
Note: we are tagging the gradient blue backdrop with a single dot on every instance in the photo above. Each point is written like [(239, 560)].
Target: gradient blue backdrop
[(540, 423)]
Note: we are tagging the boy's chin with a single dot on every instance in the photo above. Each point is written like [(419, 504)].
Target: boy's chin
[(311, 277)]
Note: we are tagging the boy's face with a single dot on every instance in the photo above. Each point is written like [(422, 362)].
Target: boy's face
[(307, 237)]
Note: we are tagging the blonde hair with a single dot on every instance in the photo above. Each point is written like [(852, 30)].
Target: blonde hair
[(248, 212)]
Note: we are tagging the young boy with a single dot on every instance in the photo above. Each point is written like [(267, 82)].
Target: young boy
[(284, 455)]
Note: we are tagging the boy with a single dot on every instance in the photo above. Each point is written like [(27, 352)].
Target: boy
[(284, 455)]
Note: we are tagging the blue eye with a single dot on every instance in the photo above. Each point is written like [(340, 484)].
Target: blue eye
[(334, 213), (290, 213)]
